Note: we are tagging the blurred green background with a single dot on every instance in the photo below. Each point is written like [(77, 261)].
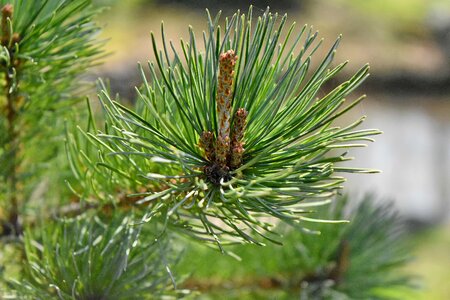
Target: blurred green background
[(407, 43)]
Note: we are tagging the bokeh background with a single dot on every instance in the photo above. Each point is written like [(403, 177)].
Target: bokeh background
[(406, 42)]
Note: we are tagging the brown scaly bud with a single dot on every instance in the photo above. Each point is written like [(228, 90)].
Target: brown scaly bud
[(237, 153), (15, 38), (7, 13), (206, 142), (227, 62), (237, 146), (240, 121), (222, 149)]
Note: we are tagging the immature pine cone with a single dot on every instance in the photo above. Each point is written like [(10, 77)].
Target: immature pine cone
[(227, 62), (237, 146), (206, 142)]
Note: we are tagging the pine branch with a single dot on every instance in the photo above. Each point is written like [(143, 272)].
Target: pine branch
[(46, 46), (162, 151), (217, 148)]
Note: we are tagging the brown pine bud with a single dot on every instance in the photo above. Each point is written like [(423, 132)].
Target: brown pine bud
[(222, 150), (237, 146), (206, 142), (240, 121), (15, 38), (237, 153), (227, 62), (7, 13)]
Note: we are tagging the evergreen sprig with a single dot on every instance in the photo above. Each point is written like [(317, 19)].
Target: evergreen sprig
[(46, 45), (361, 260), (86, 258), (157, 155), (226, 139)]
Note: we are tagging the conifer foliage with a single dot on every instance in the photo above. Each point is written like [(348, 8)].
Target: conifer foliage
[(106, 260), (225, 136), (361, 260), (46, 46), (227, 140)]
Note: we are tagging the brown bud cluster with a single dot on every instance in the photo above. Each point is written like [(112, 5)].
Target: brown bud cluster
[(226, 151)]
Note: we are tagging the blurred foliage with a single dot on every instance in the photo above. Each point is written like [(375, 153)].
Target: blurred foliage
[(89, 258), (47, 46), (360, 260), (431, 250)]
